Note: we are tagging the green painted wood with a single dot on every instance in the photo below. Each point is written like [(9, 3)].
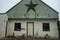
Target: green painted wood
[(43, 10)]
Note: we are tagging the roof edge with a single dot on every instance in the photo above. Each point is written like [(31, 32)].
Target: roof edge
[(14, 6), (2, 13), (31, 19), (49, 6)]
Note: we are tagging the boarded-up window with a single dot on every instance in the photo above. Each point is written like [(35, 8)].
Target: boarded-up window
[(17, 27), (46, 27)]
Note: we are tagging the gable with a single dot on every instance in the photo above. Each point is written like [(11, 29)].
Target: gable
[(20, 11)]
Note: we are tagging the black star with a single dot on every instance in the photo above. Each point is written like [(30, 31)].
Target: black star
[(31, 6)]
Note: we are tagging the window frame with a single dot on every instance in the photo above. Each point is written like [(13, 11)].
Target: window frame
[(45, 28), (15, 26)]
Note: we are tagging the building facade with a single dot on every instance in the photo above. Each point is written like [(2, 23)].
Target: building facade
[(31, 17)]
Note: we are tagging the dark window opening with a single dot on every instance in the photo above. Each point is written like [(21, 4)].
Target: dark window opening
[(17, 27), (46, 27)]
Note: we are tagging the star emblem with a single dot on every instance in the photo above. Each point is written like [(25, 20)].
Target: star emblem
[(31, 6)]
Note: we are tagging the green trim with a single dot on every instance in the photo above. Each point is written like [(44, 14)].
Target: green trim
[(32, 19)]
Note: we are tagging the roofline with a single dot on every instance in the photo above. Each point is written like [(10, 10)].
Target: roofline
[(2, 13), (39, 0), (14, 6), (49, 7), (33, 18)]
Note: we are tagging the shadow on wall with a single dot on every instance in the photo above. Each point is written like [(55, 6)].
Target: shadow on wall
[(59, 28)]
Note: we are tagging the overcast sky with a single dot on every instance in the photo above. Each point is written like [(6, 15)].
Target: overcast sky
[(5, 5)]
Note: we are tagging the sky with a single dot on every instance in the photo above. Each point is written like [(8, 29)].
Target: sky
[(5, 5)]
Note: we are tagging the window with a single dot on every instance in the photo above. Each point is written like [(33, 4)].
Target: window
[(17, 27), (46, 27)]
